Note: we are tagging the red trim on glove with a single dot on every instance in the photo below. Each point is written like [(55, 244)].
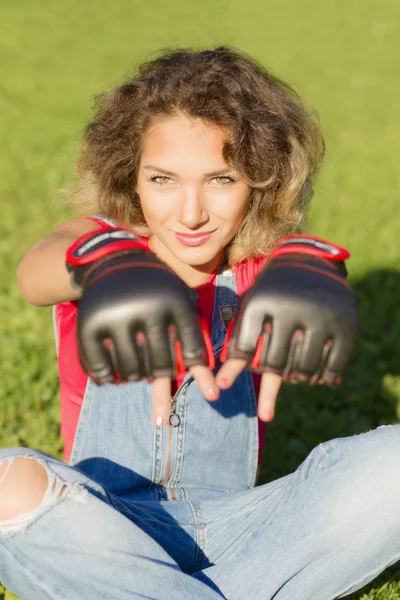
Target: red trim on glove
[(208, 343), (262, 338), (180, 362), (225, 347), (300, 248), (332, 275), (117, 246)]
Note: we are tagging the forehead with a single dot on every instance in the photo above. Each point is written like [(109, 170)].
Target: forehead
[(175, 143)]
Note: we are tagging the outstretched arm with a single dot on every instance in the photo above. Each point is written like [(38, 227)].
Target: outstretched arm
[(42, 275)]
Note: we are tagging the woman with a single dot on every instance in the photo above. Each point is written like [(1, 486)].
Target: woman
[(191, 174)]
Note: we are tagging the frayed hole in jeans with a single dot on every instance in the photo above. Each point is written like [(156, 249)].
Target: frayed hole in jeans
[(55, 492)]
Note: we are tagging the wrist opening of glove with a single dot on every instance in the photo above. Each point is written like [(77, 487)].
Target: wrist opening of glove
[(98, 246), (315, 247)]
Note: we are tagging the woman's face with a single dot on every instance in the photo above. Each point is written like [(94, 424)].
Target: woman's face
[(192, 199)]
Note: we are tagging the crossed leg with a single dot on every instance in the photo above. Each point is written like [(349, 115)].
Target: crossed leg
[(61, 537)]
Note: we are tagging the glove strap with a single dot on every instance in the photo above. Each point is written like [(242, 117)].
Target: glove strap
[(311, 245), (95, 246)]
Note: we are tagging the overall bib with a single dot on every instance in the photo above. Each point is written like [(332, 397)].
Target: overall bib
[(213, 448)]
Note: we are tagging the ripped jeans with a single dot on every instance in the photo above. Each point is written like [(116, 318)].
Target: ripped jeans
[(320, 533)]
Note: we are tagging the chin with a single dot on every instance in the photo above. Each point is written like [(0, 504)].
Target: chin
[(195, 256)]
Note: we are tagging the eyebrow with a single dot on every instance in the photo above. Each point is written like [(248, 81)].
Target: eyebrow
[(165, 172)]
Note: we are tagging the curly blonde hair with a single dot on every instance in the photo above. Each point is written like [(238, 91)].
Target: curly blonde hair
[(274, 142)]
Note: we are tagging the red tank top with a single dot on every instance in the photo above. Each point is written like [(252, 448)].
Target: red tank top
[(73, 379)]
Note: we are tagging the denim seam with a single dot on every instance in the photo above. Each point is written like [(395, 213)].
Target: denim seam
[(182, 435), (83, 421), (196, 558), (203, 529), (229, 288), (211, 488), (200, 527), (154, 470), (179, 441), (254, 441), (375, 573)]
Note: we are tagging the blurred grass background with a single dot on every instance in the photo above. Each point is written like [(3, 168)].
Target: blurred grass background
[(343, 59)]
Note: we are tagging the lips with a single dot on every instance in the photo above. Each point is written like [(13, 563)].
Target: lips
[(193, 239)]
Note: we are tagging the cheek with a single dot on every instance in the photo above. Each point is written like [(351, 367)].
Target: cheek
[(154, 208), (231, 209)]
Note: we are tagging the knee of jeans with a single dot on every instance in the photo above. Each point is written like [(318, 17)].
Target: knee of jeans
[(15, 493), (379, 447), (368, 491), (379, 451)]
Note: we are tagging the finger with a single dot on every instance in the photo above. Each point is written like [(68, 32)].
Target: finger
[(314, 358), (94, 356), (229, 372), (310, 358), (161, 356), (317, 377), (337, 360), (206, 382), (247, 327), (269, 389), (124, 355), (161, 398), (176, 350), (190, 336), (143, 352), (279, 346)]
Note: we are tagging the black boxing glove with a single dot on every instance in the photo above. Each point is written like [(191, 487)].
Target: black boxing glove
[(137, 319), (300, 318)]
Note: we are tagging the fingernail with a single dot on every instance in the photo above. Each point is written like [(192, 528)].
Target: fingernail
[(267, 415), (223, 382), (159, 421), (212, 394)]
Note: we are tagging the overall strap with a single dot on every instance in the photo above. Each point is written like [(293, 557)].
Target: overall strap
[(102, 219), (225, 305)]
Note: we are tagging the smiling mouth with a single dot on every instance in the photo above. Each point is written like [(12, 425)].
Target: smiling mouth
[(194, 235), (194, 239)]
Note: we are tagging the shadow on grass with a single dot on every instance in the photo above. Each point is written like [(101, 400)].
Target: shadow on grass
[(368, 397)]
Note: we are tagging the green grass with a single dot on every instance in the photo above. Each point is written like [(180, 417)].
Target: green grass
[(340, 56)]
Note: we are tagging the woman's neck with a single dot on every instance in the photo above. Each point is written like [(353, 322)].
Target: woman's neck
[(193, 276)]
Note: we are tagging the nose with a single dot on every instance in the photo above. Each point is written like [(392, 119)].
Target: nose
[(192, 210)]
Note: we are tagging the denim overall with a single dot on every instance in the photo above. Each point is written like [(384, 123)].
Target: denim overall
[(212, 449), (171, 512)]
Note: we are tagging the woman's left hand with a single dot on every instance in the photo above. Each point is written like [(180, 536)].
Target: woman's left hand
[(298, 322)]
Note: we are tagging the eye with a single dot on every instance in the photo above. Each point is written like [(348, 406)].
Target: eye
[(160, 179), (224, 179)]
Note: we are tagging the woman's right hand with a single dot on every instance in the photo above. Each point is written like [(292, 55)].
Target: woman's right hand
[(137, 319)]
